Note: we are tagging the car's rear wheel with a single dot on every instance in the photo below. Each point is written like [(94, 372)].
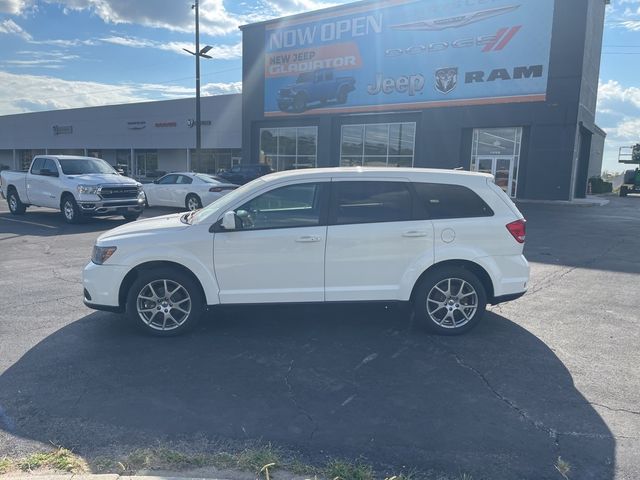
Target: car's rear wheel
[(16, 207), (193, 202), (450, 301), (164, 302), (70, 210)]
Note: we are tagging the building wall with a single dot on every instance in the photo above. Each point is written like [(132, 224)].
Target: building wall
[(550, 148), (165, 126)]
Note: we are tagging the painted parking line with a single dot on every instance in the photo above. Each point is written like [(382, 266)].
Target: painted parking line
[(29, 223)]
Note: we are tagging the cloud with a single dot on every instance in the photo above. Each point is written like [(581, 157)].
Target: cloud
[(218, 52), (28, 93), (9, 27), (618, 114), (29, 58), (12, 7)]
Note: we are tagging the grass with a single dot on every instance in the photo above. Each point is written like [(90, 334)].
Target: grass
[(60, 459), (563, 468), (261, 460), (339, 470), (5, 465)]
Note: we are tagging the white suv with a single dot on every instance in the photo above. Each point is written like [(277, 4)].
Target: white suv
[(448, 241)]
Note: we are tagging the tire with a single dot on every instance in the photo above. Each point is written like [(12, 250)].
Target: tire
[(152, 311), (449, 301), (16, 207), (192, 202), (300, 103), (624, 191), (131, 217), (70, 210), (341, 98)]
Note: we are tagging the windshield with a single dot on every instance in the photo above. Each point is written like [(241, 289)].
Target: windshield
[(85, 165)]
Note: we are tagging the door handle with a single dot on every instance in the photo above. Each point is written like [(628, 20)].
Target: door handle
[(415, 233), (308, 239)]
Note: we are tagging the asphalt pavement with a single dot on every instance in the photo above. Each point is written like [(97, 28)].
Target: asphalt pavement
[(553, 374)]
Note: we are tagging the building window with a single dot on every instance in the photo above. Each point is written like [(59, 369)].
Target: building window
[(147, 164), (378, 145), (213, 160), (497, 151), (289, 148), (25, 157)]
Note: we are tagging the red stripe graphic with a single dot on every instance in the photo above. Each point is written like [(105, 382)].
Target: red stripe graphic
[(507, 39), (499, 35)]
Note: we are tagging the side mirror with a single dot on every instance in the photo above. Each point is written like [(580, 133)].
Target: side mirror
[(155, 181), (48, 173), (229, 221)]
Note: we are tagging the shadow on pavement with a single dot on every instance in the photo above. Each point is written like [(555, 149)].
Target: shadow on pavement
[(344, 380)]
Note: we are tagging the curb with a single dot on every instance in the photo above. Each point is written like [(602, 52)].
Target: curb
[(579, 202)]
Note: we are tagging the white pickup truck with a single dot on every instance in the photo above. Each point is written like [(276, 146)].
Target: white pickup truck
[(77, 186)]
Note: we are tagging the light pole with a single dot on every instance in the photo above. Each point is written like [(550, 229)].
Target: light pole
[(198, 53)]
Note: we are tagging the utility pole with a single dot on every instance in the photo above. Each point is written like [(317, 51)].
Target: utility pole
[(198, 53)]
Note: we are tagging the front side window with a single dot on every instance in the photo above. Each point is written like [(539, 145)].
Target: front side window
[(284, 207), (49, 165), (289, 148), (440, 201), (370, 202), (168, 180), (378, 145)]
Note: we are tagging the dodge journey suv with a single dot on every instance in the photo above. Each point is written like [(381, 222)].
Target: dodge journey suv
[(449, 242)]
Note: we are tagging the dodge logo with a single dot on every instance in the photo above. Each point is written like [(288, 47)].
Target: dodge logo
[(446, 79)]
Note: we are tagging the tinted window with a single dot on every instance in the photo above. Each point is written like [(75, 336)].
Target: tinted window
[(450, 201), (49, 165), (284, 207), (37, 165), (168, 180), (183, 179), (370, 202)]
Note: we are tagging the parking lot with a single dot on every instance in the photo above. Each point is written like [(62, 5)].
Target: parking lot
[(553, 374)]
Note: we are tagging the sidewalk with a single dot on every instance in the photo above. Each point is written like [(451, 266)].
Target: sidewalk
[(590, 201)]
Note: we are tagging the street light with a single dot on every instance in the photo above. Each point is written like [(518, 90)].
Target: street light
[(198, 53)]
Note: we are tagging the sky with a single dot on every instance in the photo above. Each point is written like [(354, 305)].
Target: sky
[(57, 54)]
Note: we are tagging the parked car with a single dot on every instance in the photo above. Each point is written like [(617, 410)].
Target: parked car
[(317, 86), (77, 186), (448, 241), (241, 174), (185, 190)]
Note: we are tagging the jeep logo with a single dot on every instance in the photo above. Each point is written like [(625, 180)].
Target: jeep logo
[(410, 84)]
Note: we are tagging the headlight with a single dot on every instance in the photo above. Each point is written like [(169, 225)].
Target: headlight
[(102, 254), (87, 189)]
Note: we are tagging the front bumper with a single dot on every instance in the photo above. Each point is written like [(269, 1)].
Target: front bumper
[(111, 207), (102, 286)]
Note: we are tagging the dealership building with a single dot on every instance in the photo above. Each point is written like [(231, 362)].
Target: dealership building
[(507, 87)]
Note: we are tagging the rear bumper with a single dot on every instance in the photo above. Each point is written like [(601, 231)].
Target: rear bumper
[(506, 298)]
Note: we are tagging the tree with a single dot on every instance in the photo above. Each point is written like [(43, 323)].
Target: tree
[(635, 153)]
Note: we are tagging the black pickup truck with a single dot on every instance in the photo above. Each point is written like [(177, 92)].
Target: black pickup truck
[(319, 86)]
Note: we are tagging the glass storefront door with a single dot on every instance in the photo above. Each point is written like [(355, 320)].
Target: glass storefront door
[(501, 168), (497, 151)]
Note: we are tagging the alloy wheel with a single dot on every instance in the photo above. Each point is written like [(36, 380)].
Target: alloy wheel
[(452, 303), (163, 304)]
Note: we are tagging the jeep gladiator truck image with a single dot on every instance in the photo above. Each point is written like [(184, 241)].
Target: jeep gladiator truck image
[(77, 186), (319, 86)]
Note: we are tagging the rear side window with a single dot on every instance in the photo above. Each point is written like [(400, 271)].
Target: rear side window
[(370, 202), (439, 200), (37, 166)]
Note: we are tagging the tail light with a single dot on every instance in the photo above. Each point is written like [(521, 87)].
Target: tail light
[(518, 229), (221, 189)]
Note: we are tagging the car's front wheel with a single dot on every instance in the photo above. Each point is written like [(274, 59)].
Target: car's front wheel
[(70, 210), (450, 301), (164, 302)]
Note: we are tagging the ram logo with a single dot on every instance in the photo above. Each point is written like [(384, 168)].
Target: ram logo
[(446, 79)]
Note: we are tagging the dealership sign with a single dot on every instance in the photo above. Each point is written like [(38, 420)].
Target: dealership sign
[(408, 54)]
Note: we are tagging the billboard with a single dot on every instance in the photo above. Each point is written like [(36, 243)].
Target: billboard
[(408, 55)]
